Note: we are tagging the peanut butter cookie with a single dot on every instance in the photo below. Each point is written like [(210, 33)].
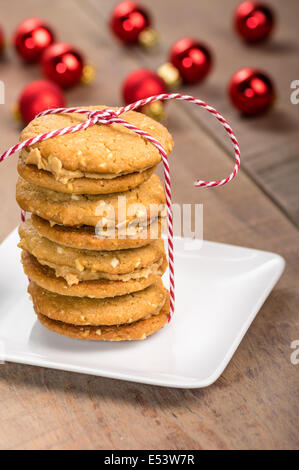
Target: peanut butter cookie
[(110, 311), (84, 265), (83, 185), (84, 238), (45, 277), (138, 330), (101, 149), (114, 210)]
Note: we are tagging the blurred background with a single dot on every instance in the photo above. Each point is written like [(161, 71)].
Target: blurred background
[(256, 406)]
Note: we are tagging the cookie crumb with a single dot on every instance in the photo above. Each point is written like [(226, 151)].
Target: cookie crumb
[(85, 333), (79, 265), (140, 212), (114, 262)]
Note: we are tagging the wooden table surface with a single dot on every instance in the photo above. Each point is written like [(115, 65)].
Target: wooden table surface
[(255, 402)]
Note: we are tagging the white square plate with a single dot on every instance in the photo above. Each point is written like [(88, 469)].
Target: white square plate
[(219, 290)]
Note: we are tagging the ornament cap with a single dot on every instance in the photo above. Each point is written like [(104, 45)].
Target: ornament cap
[(155, 110), (88, 74), (15, 110), (170, 75), (148, 38)]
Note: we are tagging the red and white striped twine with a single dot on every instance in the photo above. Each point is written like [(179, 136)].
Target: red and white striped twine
[(110, 116)]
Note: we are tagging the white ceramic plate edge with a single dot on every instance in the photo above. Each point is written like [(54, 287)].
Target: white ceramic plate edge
[(176, 382)]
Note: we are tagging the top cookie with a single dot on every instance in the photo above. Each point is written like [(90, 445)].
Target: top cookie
[(100, 149)]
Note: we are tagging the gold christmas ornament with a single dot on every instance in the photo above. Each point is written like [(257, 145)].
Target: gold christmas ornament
[(170, 75), (16, 112), (155, 110), (148, 38), (88, 74)]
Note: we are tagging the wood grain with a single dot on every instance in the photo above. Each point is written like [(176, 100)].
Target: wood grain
[(255, 402)]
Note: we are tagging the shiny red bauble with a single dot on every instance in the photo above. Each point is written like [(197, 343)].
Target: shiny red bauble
[(2, 42), (254, 21), (192, 58), (128, 20), (63, 64), (31, 38), (39, 96), (251, 91), (140, 84)]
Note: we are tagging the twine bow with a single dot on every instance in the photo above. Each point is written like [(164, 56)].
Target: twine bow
[(110, 116)]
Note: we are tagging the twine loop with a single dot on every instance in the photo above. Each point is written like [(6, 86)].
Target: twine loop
[(103, 116)]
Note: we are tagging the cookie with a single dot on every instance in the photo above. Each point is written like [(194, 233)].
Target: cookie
[(134, 331), (116, 262), (84, 238), (85, 185), (45, 277), (83, 265), (110, 311), (119, 209), (101, 149)]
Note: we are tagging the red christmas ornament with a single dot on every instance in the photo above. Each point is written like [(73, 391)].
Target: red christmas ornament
[(254, 21), (2, 42), (251, 91), (192, 59), (143, 83), (128, 21), (140, 84), (63, 64), (31, 38), (39, 96)]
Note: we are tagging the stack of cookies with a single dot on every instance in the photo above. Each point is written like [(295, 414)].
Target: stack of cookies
[(92, 247)]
